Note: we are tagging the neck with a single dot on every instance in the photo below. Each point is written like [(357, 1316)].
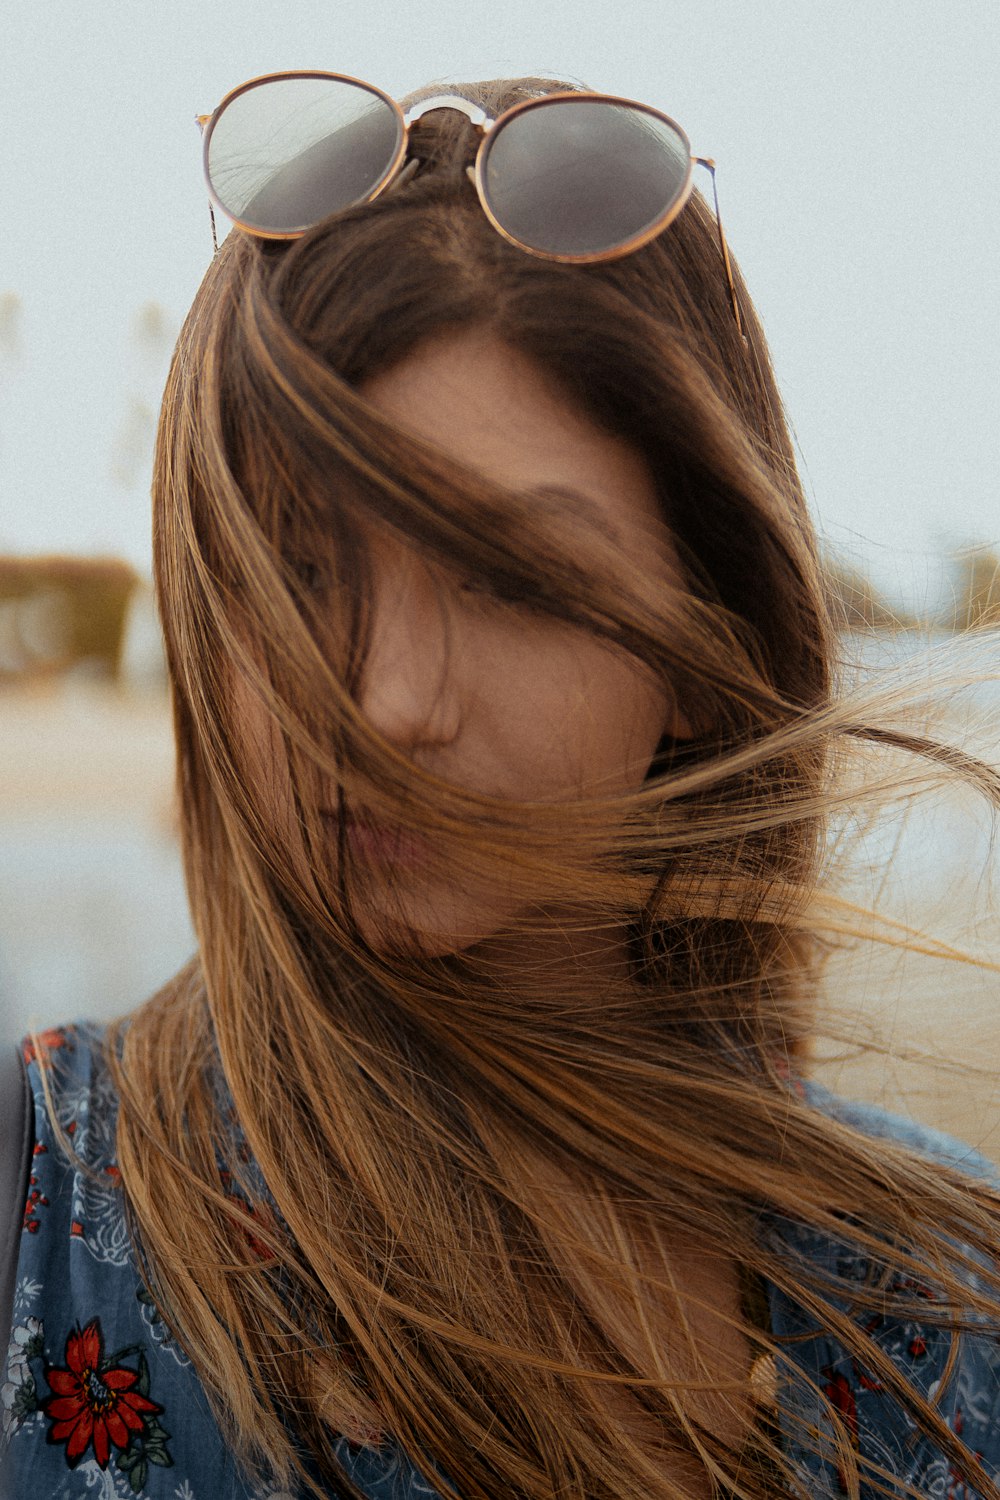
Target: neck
[(557, 953)]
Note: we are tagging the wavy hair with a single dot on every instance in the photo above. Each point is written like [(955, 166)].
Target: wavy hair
[(379, 1191)]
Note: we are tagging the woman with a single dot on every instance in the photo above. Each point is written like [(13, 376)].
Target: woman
[(473, 1154)]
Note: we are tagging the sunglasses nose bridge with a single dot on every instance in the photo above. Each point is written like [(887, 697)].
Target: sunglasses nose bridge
[(472, 112), (480, 122)]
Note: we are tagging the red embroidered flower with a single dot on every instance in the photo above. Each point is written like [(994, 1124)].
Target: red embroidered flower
[(260, 1213), (93, 1402), (841, 1397), (54, 1037), (36, 1199)]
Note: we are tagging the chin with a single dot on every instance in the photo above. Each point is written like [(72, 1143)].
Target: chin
[(430, 927)]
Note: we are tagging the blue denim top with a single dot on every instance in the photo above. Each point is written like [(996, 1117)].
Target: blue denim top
[(99, 1401)]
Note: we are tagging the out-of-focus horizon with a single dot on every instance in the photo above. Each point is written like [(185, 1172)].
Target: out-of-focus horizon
[(65, 617), (95, 917), (855, 174)]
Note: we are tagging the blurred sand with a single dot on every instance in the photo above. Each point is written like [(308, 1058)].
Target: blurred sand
[(69, 747), (93, 916)]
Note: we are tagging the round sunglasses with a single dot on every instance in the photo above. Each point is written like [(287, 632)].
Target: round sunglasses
[(573, 177)]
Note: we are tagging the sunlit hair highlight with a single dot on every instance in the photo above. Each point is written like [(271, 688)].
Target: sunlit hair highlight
[(455, 1208)]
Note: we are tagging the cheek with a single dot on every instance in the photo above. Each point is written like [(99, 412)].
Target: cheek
[(589, 718), (638, 712)]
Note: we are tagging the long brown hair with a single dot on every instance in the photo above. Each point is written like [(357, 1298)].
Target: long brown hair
[(393, 1192)]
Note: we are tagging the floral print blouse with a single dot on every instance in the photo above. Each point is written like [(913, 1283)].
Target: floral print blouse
[(98, 1401)]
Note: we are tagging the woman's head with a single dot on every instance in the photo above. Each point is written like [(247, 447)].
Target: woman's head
[(368, 429)]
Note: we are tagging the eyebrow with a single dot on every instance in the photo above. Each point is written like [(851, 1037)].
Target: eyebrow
[(579, 502)]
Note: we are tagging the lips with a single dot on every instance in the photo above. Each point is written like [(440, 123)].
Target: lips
[(380, 845)]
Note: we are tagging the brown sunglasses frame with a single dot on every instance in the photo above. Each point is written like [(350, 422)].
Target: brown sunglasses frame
[(486, 126)]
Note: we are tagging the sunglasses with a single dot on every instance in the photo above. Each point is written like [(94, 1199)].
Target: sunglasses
[(572, 177)]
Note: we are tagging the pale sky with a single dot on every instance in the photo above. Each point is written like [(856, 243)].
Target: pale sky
[(856, 147)]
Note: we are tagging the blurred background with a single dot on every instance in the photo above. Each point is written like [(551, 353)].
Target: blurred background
[(856, 151)]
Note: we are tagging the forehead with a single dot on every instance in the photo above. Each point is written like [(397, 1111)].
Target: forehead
[(495, 410)]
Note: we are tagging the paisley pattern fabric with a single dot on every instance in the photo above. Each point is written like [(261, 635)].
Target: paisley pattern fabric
[(98, 1401)]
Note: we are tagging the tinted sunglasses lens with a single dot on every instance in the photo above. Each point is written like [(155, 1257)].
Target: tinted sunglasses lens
[(287, 152), (579, 177)]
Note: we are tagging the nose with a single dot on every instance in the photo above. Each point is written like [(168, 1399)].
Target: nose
[(409, 688)]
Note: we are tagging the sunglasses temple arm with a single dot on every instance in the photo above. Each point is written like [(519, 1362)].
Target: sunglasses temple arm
[(706, 161), (201, 121)]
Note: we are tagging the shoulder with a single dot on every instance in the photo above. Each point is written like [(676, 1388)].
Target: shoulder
[(72, 1090), (873, 1121), (75, 1119), (96, 1392), (70, 1056), (97, 1395), (958, 1373)]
